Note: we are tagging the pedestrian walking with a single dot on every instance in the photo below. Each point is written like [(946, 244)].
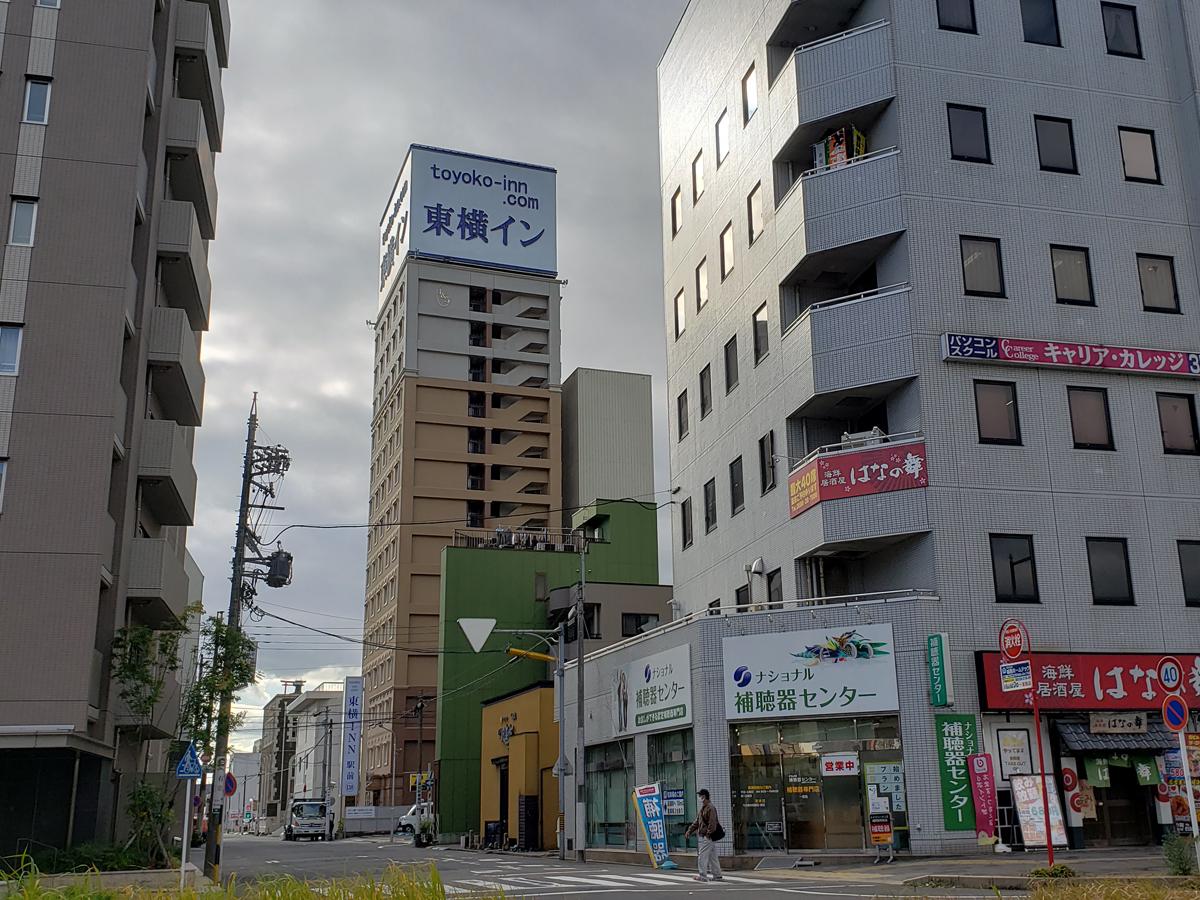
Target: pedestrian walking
[(708, 831)]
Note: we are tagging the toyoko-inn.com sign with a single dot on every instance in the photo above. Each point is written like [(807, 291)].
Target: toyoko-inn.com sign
[(467, 208), (819, 672)]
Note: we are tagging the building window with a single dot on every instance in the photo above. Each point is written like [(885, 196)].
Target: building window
[(37, 102), (1091, 426), (775, 589), (680, 314), (1157, 277), (1013, 568), (996, 412), (731, 364), (1056, 145), (1177, 421), (1140, 155), (1121, 30), (3, 478), (10, 349), (22, 223), (1189, 565), (635, 623), (754, 212), (762, 345), (710, 505), (676, 211), (722, 137), (685, 522), (737, 488), (714, 609), (968, 133), (49, 4), (741, 598), (697, 176), (983, 273), (701, 284), (726, 251), (1039, 19), (749, 95), (681, 413), (1072, 275), (766, 461), (956, 15), (1108, 565), (705, 391)]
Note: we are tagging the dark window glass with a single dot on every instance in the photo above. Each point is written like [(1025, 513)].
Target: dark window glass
[(701, 284), (737, 488), (996, 412), (1056, 144), (1156, 274), (1091, 426), (676, 212), (681, 411), (956, 15), (1177, 420), (1121, 29), (714, 608), (680, 314), (983, 274), (1072, 275), (1039, 19), (754, 213), (766, 461), (1013, 568), (762, 344), (1189, 567), (710, 504), (741, 598), (726, 251), (685, 522), (968, 133), (731, 364), (1108, 564), (635, 623), (775, 589), (705, 391), (1140, 155)]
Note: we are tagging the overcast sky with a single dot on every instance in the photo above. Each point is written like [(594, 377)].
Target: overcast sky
[(322, 100)]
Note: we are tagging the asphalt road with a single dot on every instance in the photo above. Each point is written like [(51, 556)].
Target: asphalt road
[(466, 873)]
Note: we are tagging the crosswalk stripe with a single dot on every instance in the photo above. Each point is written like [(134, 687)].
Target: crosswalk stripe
[(602, 880), (648, 878)]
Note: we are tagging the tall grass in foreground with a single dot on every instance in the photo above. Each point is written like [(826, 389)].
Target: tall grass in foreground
[(1117, 890)]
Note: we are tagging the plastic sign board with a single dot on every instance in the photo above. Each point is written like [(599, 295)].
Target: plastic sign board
[(674, 802), (1175, 713), (1014, 639), (351, 733), (900, 466), (1069, 355), (957, 740), (1027, 797), (649, 803), (983, 794), (653, 692), (1016, 676), (1089, 682), (231, 784), (360, 812), (941, 680), (881, 829), (189, 764)]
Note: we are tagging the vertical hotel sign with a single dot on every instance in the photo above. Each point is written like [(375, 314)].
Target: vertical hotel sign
[(854, 473), (351, 733)]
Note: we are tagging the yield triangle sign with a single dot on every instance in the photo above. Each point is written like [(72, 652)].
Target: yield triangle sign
[(477, 631), (189, 764)]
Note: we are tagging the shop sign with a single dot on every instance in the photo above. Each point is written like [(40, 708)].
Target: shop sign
[(886, 780), (817, 672), (773, 827), (1177, 789), (653, 692), (1016, 676), (881, 829), (1071, 791), (1015, 757), (802, 784), (1146, 771), (360, 812), (1087, 800), (957, 739), (855, 473), (1088, 682), (1027, 798), (648, 801), (834, 764), (673, 802), (1069, 355), (983, 794), (1117, 723), (352, 693), (1096, 770), (941, 680)]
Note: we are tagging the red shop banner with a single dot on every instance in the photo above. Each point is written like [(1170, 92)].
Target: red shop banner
[(1088, 681), (855, 473)]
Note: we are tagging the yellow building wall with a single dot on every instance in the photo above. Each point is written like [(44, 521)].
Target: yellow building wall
[(531, 752)]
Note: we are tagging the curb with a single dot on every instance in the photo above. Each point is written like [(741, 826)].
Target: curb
[(1024, 882)]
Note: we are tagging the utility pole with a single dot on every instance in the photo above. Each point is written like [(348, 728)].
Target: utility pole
[(420, 747), (580, 768)]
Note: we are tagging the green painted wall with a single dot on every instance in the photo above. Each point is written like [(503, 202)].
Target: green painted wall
[(501, 584)]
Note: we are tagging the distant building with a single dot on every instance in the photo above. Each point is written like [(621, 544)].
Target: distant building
[(277, 748), (316, 763), (240, 806), (518, 793)]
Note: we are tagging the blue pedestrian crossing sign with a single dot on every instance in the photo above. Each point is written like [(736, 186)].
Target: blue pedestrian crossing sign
[(189, 765)]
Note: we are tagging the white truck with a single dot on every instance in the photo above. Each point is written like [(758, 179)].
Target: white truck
[(410, 822), (307, 819)]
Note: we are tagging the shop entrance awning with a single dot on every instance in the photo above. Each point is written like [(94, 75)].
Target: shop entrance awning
[(1077, 736)]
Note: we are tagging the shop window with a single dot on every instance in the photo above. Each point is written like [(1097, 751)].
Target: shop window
[(737, 488), (1139, 153), (968, 133), (1189, 566), (710, 505), (1056, 145), (635, 623), (701, 284), (1091, 425), (1121, 34), (1177, 421), (610, 783), (697, 177), (1072, 275), (996, 412), (681, 413), (956, 15), (1013, 568), (1156, 275), (1039, 21), (1108, 565), (983, 272), (731, 364), (705, 391), (672, 765), (685, 523)]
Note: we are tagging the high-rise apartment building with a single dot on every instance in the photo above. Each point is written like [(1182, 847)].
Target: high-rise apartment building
[(932, 294), (110, 114), (466, 427)]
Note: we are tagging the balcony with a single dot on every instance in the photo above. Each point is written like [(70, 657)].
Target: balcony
[(859, 498), (184, 257), (191, 160), (199, 73), (165, 471), (175, 356), (219, 12), (157, 585), (860, 344), (830, 78), (143, 182)]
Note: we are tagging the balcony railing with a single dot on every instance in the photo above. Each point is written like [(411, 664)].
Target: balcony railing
[(862, 297), (837, 167), (519, 539), (863, 442)]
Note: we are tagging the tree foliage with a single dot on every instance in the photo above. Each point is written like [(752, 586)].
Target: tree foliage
[(226, 662)]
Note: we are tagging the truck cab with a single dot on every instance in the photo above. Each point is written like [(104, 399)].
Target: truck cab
[(411, 821), (307, 819)]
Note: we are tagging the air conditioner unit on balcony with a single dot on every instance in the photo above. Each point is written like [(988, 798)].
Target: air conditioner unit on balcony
[(864, 438)]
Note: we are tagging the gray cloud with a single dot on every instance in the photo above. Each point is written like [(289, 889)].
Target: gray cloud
[(322, 100)]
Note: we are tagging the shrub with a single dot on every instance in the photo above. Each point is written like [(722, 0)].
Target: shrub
[(1058, 870), (1180, 855)]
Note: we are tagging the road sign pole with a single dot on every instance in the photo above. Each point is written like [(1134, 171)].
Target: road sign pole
[(185, 836), (1037, 727)]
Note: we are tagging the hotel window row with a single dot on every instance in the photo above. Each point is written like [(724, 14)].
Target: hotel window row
[(1039, 24), (737, 490)]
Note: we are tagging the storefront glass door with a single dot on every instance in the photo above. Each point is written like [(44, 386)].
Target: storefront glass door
[(610, 795), (1123, 812), (844, 827), (672, 766), (804, 802)]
